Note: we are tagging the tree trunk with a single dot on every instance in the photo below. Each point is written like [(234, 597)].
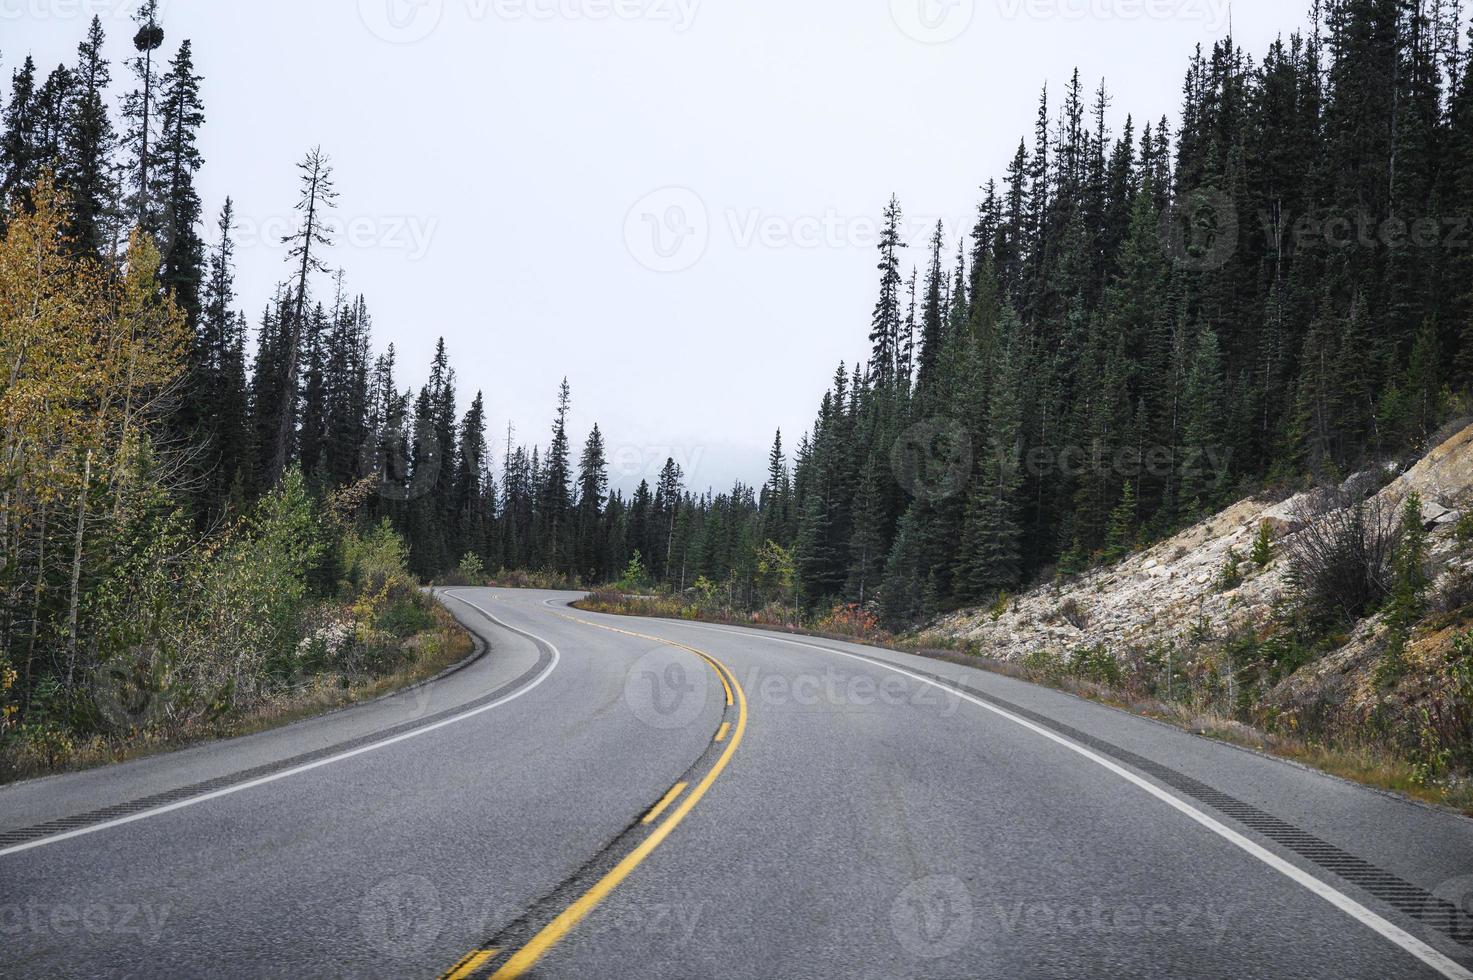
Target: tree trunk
[(294, 343), (37, 588), (74, 600)]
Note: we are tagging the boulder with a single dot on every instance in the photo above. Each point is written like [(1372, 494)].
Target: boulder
[(1435, 515), (1359, 486)]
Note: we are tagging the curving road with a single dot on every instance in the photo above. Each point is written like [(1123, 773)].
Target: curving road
[(602, 797)]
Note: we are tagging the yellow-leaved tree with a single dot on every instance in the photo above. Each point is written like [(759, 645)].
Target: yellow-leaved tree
[(91, 354)]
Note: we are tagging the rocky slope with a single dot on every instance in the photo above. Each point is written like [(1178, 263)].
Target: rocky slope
[(1175, 596)]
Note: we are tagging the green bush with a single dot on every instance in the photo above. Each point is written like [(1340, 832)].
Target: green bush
[(1096, 664), (375, 557), (635, 578), (406, 615), (189, 630), (472, 571), (1043, 665)]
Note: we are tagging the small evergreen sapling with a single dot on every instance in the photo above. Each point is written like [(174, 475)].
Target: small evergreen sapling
[(1263, 545)]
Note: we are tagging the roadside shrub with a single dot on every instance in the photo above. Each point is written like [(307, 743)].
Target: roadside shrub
[(1163, 671), (850, 619), (1448, 717), (704, 589), (374, 557), (775, 575), (522, 579), (1043, 665), (471, 571), (1255, 664), (1341, 563), (1430, 757), (190, 630), (1096, 664), (8, 709), (406, 614), (1071, 612), (634, 578)]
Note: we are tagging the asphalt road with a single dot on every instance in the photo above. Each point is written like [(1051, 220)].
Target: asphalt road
[(607, 797)]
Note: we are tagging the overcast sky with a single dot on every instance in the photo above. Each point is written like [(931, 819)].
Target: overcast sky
[(672, 202)]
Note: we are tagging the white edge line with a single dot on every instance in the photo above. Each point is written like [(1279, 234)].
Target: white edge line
[(1389, 930), (295, 770)]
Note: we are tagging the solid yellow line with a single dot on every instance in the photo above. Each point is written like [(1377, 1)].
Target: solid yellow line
[(657, 639), (458, 964), (719, 673), (469, 964), (665, 801), (721, 732), (559, 927)]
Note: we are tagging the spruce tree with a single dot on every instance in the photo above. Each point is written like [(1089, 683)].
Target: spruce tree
[(589, 559), (20, 138), (175, 161), (555, 499), (87, 166), (868, 541), (885, 325), (774, 499), (991, 552), (933, 314), (665, 515), (219, 379), (473, 500), (1202, 411)]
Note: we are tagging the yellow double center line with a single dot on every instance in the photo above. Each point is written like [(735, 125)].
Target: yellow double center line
[(523, 959)]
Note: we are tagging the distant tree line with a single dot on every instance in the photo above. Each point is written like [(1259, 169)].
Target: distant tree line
[(1139, 325)]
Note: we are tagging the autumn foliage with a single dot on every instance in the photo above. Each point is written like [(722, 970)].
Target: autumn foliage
[(92, 353)]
